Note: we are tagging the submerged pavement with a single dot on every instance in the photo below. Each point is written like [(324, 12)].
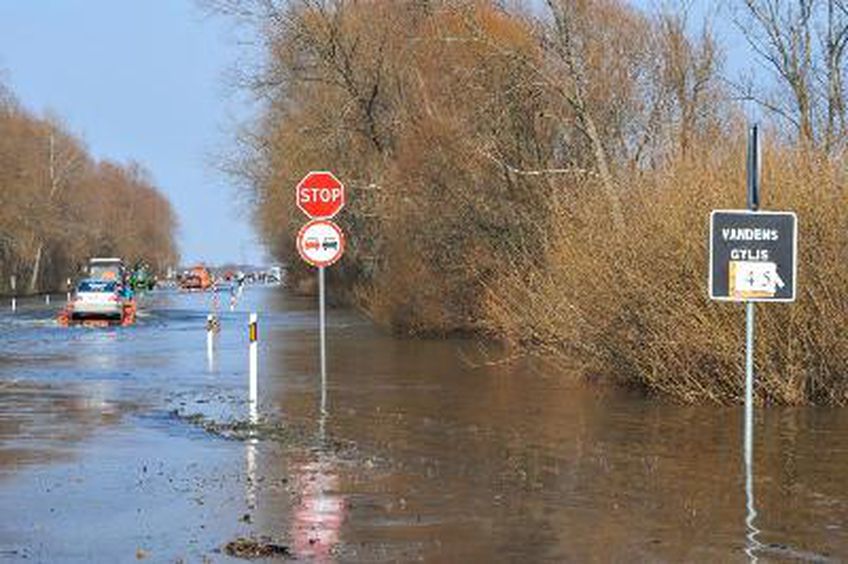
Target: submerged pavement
[(132, 443)]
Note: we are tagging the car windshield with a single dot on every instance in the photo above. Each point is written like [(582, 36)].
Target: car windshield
[(97, 286)]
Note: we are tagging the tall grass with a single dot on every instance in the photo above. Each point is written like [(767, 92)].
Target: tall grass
[(634, 308)]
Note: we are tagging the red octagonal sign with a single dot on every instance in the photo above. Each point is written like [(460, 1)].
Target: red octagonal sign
[(320, 195)]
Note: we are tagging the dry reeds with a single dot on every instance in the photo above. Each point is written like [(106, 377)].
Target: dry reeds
[(634, 307)]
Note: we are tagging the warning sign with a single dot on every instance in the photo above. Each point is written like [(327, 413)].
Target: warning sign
[(752, 255)]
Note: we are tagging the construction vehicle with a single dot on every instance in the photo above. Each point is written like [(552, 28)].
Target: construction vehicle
[(106, 269), (198, 278)]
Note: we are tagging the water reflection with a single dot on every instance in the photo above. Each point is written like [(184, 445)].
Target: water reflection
[(40, 423), (320, 513), (753, 545), (250, 471), (318, 517)]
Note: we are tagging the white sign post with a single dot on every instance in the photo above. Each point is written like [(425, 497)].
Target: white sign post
[(253, 336)]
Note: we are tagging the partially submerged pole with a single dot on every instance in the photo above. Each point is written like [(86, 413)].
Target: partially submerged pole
[(322, 322), (754, 162), (13, 282)]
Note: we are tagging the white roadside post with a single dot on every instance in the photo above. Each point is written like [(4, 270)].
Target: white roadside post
[(13, 281), (68, 288), (253, 333), (210, 341), (47, 299)]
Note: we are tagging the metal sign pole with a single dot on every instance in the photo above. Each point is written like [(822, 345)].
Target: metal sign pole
[(323, 337), (753, 205)]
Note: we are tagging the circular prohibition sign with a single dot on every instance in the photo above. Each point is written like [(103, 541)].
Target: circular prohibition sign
[(320, 242)]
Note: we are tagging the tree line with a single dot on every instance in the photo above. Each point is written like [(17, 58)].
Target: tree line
[(542, 173), (60, 206)]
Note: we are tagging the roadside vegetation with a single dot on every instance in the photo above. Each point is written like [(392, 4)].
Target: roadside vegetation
[(544, 177), (59, 205)]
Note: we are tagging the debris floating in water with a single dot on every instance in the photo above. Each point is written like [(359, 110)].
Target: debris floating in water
[(262, 547)]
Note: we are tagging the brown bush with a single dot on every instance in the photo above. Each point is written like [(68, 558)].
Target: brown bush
[(635, 309), (545, 180)]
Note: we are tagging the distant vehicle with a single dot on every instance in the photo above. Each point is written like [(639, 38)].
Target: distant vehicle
[(141, 278), (99, 299), (106, 269), (275, 275), (198, 278)]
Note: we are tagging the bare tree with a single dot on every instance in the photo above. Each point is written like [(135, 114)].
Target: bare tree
[(803, 42), (574, 92), (690, 73), (61, 162)]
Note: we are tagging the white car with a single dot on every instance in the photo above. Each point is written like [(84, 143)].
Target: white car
[(98, 299)]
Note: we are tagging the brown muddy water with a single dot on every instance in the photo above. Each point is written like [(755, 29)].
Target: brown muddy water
[(130, 443)]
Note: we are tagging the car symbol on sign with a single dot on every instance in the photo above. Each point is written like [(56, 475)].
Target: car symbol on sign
[(311, 243), (330, 244)]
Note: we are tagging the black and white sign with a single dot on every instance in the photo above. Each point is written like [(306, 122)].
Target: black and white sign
[(752, 256)]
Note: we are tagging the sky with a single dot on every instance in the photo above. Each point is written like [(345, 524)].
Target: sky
[(144, 81)]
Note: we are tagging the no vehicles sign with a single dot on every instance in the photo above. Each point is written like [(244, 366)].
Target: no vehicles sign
[(753, 255)]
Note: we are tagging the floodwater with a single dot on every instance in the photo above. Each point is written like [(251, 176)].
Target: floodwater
[(130, 443)]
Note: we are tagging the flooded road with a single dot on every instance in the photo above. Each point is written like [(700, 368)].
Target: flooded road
[(129, 443)]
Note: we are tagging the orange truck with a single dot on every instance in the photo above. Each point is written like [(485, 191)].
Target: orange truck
[(198, 278)]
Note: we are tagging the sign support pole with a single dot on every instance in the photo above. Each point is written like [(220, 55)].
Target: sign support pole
[(754, 162), (753, 205), (322, 322)]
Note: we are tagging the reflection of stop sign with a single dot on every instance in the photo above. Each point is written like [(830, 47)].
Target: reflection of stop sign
[(320, 195), (320, 242)]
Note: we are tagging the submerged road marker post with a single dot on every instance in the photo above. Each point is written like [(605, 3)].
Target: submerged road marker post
[(13, 281), (253, 334), (320, 195), (68, 289), (752, 259), (47, 299)]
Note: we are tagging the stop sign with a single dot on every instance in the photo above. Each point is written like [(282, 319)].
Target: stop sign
[(320, 194)]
